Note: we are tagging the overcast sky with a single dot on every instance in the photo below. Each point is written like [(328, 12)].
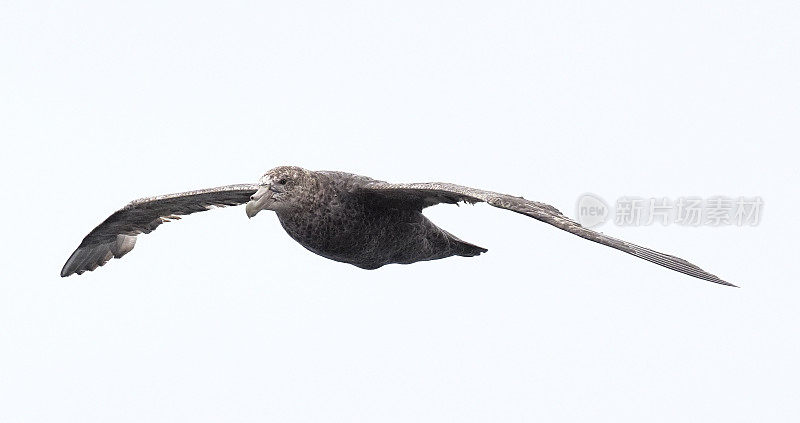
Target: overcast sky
[(220, 318)]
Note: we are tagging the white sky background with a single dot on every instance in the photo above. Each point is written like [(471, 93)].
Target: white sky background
[(217, 318)]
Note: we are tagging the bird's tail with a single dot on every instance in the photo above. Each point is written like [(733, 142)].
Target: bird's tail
[(463, 248), (469, 250)]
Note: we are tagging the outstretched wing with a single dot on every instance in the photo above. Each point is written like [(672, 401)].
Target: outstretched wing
[(117, 234), (421, 195)]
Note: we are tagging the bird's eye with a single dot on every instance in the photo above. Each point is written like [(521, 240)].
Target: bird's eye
[(282, 181)]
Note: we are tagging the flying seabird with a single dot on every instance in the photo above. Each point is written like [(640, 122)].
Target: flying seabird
[(344, 217)]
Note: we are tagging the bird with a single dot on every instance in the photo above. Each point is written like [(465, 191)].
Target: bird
[(344, 217)]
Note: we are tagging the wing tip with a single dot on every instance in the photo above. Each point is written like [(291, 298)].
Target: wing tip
[(725, 283), (90, 257), (70, 266)]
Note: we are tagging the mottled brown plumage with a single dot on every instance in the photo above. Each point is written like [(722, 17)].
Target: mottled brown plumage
[(344, 217)]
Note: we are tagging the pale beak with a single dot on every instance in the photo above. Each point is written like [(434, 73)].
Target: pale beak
[(259, 201)]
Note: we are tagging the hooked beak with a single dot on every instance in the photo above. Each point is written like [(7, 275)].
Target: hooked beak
[(259, 201)]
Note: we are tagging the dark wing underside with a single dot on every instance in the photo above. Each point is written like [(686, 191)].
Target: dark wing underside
[(421, 195), (117, 234)]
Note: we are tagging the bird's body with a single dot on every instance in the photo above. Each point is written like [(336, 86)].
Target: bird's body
[(341, 222), (344, 217)]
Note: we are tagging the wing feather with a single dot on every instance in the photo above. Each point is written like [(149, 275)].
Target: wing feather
[(421, 195), (116, 236)]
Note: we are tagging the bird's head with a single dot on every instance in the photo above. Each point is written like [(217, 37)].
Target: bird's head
[(281, 189)]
